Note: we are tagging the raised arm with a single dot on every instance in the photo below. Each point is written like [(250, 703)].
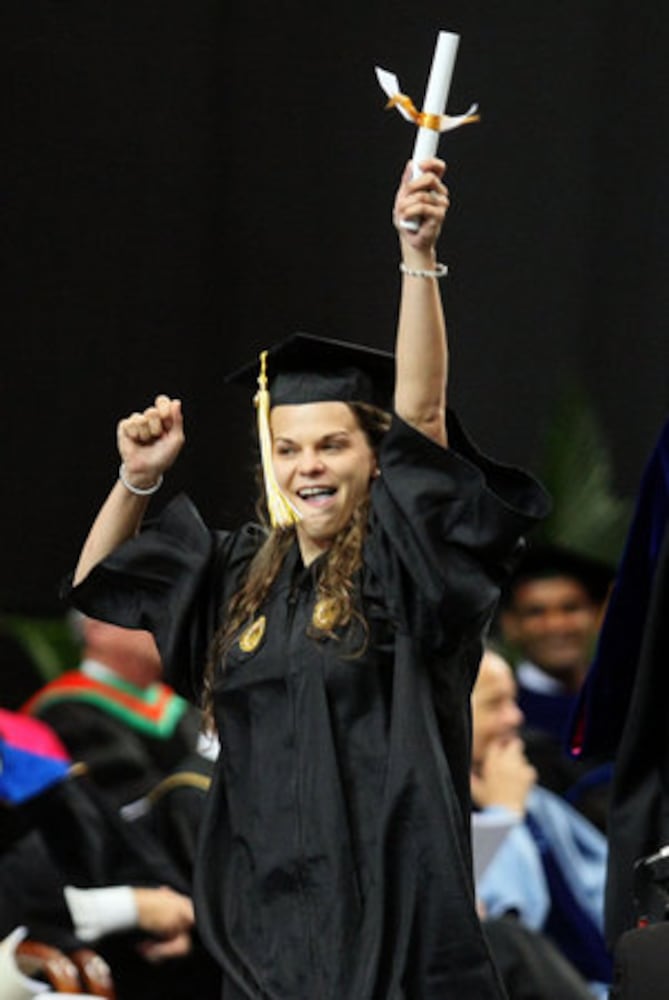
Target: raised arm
[(421, 348), (148, 444)]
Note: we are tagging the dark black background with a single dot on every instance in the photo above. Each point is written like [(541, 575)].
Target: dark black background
[(182, 183)]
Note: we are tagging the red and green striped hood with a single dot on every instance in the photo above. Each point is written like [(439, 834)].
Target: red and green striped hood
[(155, 710)]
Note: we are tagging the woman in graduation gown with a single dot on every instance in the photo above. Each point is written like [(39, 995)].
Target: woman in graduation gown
[(336, 650)]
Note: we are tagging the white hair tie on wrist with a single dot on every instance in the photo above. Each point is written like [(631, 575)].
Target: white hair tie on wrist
[(138, 490)]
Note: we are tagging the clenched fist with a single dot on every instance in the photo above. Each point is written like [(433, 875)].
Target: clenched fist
[(149, 442)]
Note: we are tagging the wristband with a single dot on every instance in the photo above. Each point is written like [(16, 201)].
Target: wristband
[(440, 271), (138, 490)]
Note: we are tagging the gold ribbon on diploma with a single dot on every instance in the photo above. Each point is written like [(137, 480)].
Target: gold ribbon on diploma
[(438, 123)]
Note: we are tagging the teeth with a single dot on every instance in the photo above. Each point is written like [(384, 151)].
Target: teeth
[(316, 491)]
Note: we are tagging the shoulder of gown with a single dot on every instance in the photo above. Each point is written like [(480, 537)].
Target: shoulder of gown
[(449, 520), (172, 579)]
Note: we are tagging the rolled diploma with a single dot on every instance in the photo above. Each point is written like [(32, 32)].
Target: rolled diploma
[(436, 95)]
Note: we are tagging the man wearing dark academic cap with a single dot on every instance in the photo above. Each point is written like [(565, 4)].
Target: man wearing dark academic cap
[(551, 610)]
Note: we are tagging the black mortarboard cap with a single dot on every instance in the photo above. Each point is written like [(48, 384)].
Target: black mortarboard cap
[(308, 369), (547, 561)]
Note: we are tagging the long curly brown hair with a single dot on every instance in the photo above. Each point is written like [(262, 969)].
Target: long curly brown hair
[(336, 577)]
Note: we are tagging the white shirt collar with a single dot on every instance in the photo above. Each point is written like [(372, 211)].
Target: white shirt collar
[(535, 679), (97, 671)]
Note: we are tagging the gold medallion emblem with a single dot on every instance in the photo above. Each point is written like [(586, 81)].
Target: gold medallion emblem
[(250, 638), (325, 614)]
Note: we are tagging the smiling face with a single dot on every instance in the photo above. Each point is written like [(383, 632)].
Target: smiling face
[(323, 464), (554, 623)]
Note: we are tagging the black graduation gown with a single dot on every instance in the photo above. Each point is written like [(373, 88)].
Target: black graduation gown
[(124, 763), (175, 808), (73, 837), (334, 857), (623, 704), (124, 759)]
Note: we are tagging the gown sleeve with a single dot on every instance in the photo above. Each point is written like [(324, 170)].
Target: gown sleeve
[(450, 524), (171, 580)]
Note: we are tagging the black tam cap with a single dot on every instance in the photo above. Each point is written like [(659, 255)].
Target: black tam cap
[(308, 369), (543, 562)]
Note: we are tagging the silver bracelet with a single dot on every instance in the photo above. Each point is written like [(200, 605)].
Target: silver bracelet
[(137, 490), (440, 271)]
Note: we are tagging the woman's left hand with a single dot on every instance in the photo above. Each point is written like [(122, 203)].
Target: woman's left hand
[(424, 200)]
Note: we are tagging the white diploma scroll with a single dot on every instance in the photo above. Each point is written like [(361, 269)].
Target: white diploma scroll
[(431, 119), (436, 95)]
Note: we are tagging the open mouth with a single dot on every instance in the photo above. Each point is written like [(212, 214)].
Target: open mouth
[(316, 495)]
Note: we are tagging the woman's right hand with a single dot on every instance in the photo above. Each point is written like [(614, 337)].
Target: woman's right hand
[(149, 442)]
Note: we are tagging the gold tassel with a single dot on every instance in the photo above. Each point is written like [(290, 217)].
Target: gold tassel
[(282, 513)]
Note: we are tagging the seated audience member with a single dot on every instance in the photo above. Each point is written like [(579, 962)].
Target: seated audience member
[(551, 612), (143, 932), (115, 715), (550, 869), (34, 894), (75, 873)]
